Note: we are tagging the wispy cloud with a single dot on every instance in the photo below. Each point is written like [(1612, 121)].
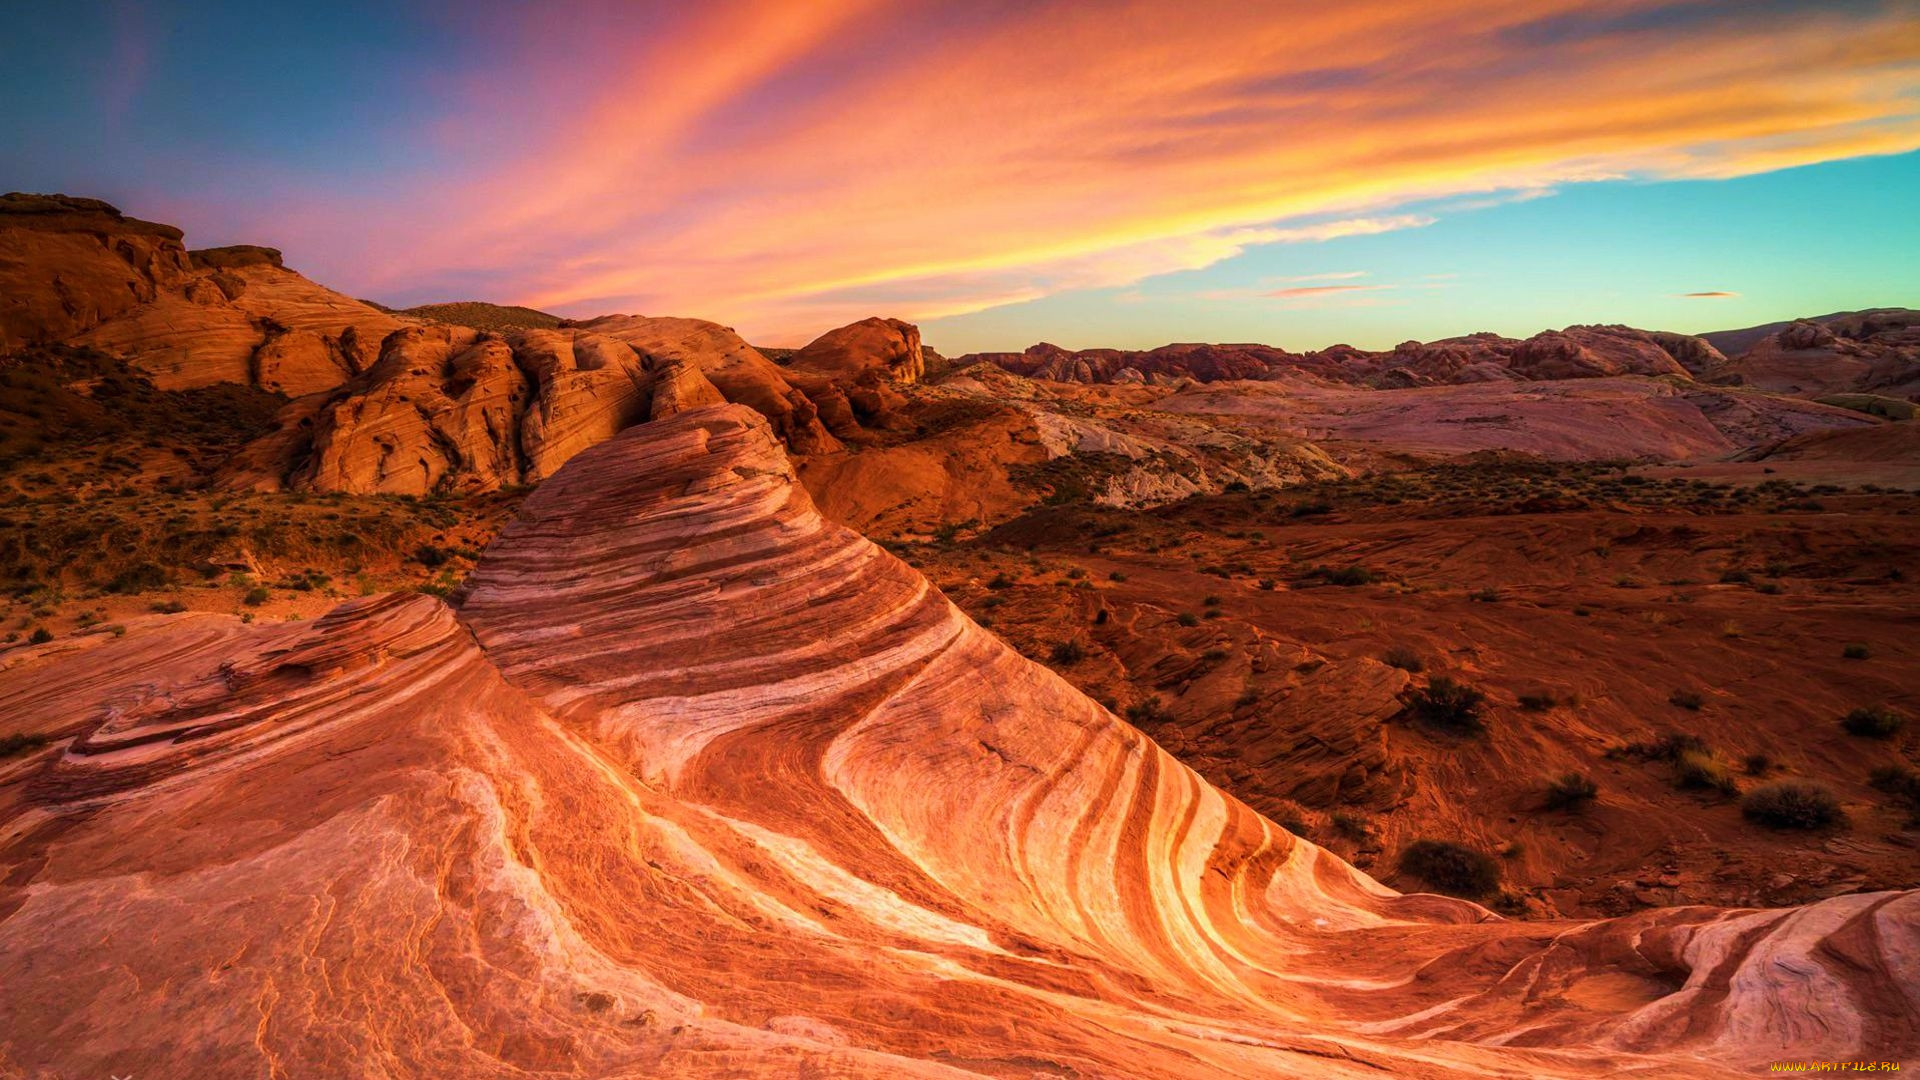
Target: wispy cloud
[(1323, 290), (1344, 275), (1715, 294), (758, 162)]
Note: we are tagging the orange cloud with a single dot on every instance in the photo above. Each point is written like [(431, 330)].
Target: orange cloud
[(1714, 295), (784, 167)]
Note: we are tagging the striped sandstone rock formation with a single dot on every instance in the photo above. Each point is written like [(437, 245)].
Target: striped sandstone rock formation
[(698, 784)]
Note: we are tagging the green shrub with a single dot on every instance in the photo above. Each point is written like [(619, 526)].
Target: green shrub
[(1068, 652), (1537, 701), (1759, 764), (256, 596), (1876, 722), (1188, 618), (1451, 868), (40, 636), (1403, 658), (1791, 804), (1000, 581), (168, 607), (1686, 699), (1447, 703), (1571, 791)]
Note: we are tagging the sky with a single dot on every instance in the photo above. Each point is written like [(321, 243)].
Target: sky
[(1002, 172)]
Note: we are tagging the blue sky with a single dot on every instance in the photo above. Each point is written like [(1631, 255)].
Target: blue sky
[(1806, 241)]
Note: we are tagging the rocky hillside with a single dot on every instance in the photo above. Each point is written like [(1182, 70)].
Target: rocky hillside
[(1858, 352), (693, 782), (1874, 351), (1579, 352), (77, 272)]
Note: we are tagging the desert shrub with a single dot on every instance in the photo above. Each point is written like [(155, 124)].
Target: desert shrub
[(1148, 712), (1352, 826), (1875, 722), (1116, 576), (137, 578), (40, 636), (1484, 596), (1188, 618), (1903, 784), (1791, 804), (1447, 703), (1667, 747), (1210, 601), (1686, 699), (429, 555), (1571, 791), (1068, 652), (1403, 658), (1855, 652), (1350, 576), (1701, 771), (19, 743), (1451, 868), (1537, 701), (168, 607), (1894, 779), (1758, 764), (1581, 612), (1000, 581), (256, 596)]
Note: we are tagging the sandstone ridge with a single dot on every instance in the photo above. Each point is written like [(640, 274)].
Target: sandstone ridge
[(696, 783)]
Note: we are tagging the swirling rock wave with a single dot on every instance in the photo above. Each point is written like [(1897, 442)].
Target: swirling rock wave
[(698, 784)]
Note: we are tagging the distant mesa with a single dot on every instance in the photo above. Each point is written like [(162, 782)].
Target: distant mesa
[(235, 256), (480, 315)]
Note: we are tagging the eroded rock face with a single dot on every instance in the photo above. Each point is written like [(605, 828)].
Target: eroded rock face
[(450, 408), (871, 348), (67, 264), (699, 784), (1874, 351), (77, 271)]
